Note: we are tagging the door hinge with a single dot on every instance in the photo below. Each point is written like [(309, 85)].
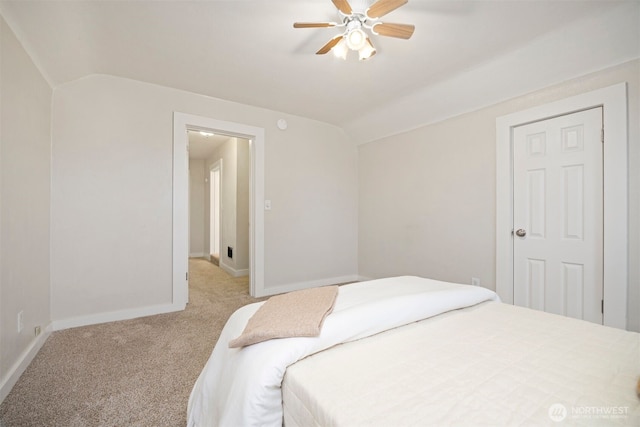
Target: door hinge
[(602, 135), (186, 276), (602, 306)]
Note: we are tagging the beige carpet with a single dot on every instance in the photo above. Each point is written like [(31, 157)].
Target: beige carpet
[(130, 373)]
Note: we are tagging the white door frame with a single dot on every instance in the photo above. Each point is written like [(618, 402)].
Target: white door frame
[(181, 124), (216, 211), (613, 99)]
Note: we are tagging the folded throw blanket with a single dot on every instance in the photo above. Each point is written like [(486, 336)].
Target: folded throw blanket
[(296, 314)]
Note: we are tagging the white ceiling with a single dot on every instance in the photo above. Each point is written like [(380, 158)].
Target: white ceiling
[(202, 147), (247, 51)]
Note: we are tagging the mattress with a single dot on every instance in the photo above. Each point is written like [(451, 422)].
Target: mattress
[(490, 364)]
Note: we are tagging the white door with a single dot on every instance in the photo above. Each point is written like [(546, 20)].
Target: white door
[(558, 215), (214, 210)]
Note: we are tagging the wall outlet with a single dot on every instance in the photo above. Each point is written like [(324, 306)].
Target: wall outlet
[(475, 281), (20, 321), (229, 252)]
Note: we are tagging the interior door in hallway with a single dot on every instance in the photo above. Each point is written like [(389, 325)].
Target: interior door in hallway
[(214, 209), (558, 215)]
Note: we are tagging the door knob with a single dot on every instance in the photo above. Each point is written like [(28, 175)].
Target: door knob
[(521, 232)]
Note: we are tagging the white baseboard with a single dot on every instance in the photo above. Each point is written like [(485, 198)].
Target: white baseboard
[(18, 368), (114, 316), (198, 255), (364, 278), (310, 284), (232, 271)]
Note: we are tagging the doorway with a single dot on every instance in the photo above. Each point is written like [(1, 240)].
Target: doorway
[(182, 123), (613, 100)]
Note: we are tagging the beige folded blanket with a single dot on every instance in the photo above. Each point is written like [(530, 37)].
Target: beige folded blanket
[(295, 314)]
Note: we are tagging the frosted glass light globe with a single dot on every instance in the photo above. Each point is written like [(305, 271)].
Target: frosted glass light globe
[(356, 39)]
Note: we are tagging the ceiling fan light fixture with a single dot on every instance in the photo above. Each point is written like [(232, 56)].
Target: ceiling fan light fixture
[(356, 39), (367, 51), (341, 49), (355, 20)]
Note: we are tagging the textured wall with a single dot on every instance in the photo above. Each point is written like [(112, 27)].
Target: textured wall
[(427, 197), (196, 207), (112, 215), (25, 155)]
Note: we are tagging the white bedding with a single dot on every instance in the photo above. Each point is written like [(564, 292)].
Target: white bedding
[(491, 364), (241, 387)]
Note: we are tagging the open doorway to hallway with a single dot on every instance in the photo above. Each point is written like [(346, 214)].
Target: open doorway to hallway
[(182, 123), (219, 172)]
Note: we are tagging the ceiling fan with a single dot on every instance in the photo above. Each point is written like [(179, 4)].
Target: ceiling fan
[(355, 22)]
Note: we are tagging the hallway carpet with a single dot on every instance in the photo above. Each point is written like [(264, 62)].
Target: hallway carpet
[(129, 373)]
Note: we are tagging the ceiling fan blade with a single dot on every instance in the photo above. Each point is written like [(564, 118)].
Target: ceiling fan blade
[(327, 47), (313, 24), (343, 6), (382, 7), (401, 31)]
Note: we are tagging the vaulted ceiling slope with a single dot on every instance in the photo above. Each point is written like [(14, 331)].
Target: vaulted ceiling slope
[(462, 56)]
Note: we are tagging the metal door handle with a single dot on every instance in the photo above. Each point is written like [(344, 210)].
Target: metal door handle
[(521, 232)]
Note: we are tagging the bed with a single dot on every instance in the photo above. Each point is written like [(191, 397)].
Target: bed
[(414, 351)]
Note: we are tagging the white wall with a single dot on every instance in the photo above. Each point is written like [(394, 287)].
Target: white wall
[(25, 141), (310, 168), (112, 223), (196, 208), (427, 197)]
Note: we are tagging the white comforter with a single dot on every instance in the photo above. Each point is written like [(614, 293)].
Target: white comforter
[(241, 387), (487, 365)]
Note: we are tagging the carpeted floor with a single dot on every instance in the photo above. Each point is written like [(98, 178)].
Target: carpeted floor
[(131, 373)]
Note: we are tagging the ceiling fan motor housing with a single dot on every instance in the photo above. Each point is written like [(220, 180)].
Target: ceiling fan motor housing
[(356, 38)]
